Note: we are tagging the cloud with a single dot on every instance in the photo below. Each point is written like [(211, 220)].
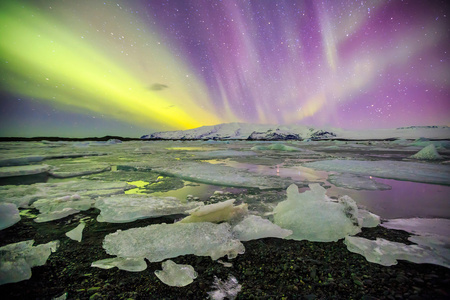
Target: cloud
[(158, 87)]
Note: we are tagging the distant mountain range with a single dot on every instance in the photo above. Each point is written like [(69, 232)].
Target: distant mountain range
[(244, 131)]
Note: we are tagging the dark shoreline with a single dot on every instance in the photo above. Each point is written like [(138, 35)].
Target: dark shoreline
[(269, 269)]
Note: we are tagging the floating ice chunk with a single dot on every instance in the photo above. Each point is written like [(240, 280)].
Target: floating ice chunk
[(23, 170), (161, 241), (222, 154), (9, 215), (56, 215), (401, 170), (128, 208), (215, 213), (80, 169), (216, 174), (428, 153), (225, 289), (56, 204), (420, 226), (16, 260), (62, 297), (176, 275), (22, 195), (76, 234), (429, 233), (356, 182), (368, 219), (387, 253), (126, 264), (278, 147), (255, 227), (315, 217)]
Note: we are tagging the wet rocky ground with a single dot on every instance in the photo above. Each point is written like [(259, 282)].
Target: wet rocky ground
[(270, 268)]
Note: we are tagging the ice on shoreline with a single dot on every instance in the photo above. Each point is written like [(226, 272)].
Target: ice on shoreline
[(17, 259), (161, 241), (128, 208)]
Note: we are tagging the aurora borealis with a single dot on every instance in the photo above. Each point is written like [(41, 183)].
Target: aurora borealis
[(90, 67)]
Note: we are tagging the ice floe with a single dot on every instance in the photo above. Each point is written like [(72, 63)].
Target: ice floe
[(400, 170), (128, 208), (9, 215), (23, 195), (176, 274), (126, 264), (387, 253), (215, 213), (77, 169), (16, 260), (76, 234), (55, 215), (161, 241), (356, 182), (254, 227), (277, 147), (315, 217), (23, 170), (222, 175)]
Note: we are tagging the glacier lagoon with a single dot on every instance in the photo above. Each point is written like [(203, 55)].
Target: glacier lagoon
[(56, 186)]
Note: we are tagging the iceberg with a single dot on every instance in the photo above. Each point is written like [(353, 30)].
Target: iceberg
[(254, 227), (9, 215), (16, 260), (428, 153), (315, 217), (76, 234), (400, 170), (161, 241), (215, 213), (128, 208), (126, 264), (176, 275)]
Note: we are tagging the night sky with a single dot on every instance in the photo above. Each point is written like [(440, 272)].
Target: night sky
[(92, 68)]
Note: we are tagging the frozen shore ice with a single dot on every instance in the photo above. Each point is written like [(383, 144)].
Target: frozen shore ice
[(161, 241), (128, 208)]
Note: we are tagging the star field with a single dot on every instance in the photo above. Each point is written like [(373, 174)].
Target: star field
[(164, 65)]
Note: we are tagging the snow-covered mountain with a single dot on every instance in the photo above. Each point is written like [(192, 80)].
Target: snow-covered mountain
[(244, 131)]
